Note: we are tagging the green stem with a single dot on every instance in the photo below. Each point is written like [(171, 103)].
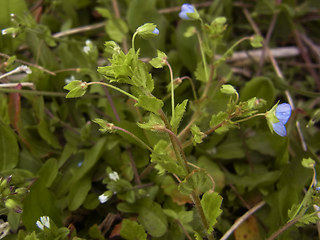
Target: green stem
[(172, 88), (305, 196), (247, 118), (287, 226), (111, 86), (192, 86), (133, 136), (225, 55), (203, 56), (132, 41), (178, 149)]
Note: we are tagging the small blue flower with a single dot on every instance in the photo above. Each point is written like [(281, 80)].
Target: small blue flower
[(156, 31), (282, 113), (186, 8)]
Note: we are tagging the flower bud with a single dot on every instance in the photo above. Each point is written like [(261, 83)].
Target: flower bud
[(147, 30)]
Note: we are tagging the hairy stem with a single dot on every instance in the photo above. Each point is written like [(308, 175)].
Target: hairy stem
[(115, 88), (172, 88)]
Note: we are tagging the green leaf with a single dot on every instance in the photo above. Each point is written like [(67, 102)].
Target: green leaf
[(76, 89), (178, 114), (200, 73), (47, 135), (164, 161), (197, 135), (197, 236), (131, 230), (154, 123), (95, 233), (211, 203), (198, 180), (104, 12), (256, 41), (308, 163), (49, 171), (159, 61), (79, 192), (190, 32), (153, 219), (9, 149), (14, 219), (105, 126), (220, 118), (150, 103), (117, 29)]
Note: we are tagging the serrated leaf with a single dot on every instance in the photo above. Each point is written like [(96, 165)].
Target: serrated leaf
[(105, 126), (150, 103), (197, 236), (211, 203), (164, 161), (154, 123), (220, 118), (76, 89), (131, 230), (197, 135), (179, 111), (200, 73), (197, 180), (310, 218), (160, 60)]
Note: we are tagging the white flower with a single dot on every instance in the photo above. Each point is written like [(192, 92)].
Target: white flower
[(44, 222), (4, 31), (26, 69), (114, 176), (87, 48), (103, 198)]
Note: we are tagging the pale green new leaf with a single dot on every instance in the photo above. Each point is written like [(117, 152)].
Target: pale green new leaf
[(154, 123), (150, 103), (76, 89), (160, 60), (197, 135), (308, 163), (105, 126), (211, 203)]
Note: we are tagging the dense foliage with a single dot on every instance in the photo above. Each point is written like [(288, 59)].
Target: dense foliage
[(146, 119)]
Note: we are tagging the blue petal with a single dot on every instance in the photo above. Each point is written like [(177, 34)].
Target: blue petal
[(283, 112), (186, 8), (156, 31), (280, 129)]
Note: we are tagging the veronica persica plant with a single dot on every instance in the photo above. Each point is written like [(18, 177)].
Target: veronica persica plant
[(278, 116), (188, 12)]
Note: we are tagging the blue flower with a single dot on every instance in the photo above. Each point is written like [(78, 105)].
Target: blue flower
[(156, 31), (282, 113), (186, 8)]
